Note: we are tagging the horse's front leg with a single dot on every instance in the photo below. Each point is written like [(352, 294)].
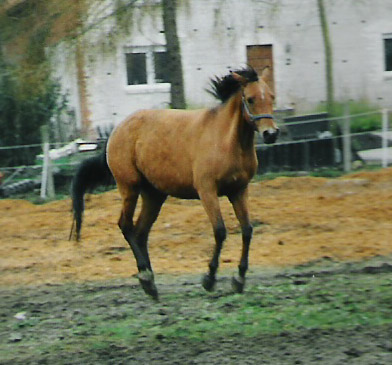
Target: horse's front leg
[(240, 205), (210, 203)]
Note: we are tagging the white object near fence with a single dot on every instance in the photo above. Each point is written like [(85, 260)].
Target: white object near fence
[(47, 184)]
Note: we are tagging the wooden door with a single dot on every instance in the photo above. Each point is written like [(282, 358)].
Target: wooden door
[(259, 57)]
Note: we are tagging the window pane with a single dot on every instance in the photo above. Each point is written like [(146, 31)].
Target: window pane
[(161, 67), (136, 68), (388, 54)]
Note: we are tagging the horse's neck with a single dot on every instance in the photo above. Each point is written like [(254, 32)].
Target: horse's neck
[(237, 130)]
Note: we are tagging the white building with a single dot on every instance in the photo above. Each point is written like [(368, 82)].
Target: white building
[(110, 75)]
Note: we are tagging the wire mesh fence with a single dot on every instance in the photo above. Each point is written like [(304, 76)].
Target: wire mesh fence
[(310, 142)]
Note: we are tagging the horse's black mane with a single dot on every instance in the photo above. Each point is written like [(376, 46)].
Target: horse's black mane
[(224, 87)]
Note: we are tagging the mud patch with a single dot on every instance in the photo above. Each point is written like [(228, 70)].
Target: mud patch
[(322, 313)]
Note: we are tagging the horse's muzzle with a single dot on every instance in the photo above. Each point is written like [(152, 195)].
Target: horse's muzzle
[(270, 135)]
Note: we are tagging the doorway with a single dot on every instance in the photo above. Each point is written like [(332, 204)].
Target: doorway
[(259, 57)]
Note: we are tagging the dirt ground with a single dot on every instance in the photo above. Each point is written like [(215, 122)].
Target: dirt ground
[(296, 220)]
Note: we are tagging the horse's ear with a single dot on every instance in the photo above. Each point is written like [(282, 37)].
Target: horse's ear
[(265, 74), (241, 79)]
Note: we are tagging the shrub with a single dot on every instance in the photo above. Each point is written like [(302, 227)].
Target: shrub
[(25, 106), (361, 123)]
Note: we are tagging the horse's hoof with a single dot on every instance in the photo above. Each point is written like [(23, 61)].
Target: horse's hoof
[(149, 288), (238, 284), (146, 279), (208, 282)]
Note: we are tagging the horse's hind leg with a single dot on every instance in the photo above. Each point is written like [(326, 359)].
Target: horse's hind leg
[(239, 202), (151, 206), (130, 196)]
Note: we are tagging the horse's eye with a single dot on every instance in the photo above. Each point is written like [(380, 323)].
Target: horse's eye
[(250, 100)]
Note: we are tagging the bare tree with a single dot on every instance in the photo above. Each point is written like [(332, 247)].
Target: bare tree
[(174, 67), (328, 55)]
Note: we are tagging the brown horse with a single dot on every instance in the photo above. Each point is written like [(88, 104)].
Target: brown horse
[(198, 154)]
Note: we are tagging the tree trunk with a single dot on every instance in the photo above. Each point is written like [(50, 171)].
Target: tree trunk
[(174, 67), (328, 55), (81, 72)]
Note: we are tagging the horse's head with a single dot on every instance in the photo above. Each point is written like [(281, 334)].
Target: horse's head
[(257, 104)]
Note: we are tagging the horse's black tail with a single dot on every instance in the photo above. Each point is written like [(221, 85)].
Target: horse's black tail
[(91, 173)]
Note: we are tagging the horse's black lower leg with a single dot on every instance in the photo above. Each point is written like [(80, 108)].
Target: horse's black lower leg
[(239, 201), (210, 278), (141, 240), (146, 275), (129, 231), (209, 199), (129, 235), (152, 203), (238, 283)]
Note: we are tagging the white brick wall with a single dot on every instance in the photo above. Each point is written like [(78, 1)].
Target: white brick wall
[(214, 35)]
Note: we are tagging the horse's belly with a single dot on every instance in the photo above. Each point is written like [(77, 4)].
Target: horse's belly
[(171, 179), (232, 186), (183, 191)]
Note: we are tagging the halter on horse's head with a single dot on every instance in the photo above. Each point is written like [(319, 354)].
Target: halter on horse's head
[(256, 99), (257, 103)]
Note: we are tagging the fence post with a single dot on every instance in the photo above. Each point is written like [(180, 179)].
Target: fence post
[(305, 157), (346, 140), (47, 184), (384, 159)]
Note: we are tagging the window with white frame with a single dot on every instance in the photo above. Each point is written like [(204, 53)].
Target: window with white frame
[(146, 65), (388, 52)]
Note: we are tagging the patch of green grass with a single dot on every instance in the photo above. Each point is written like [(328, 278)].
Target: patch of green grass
[(327, 172), (340, 303), (331, 172), (368, 118)]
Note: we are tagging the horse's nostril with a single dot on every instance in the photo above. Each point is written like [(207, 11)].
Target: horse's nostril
[(270, 137)]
